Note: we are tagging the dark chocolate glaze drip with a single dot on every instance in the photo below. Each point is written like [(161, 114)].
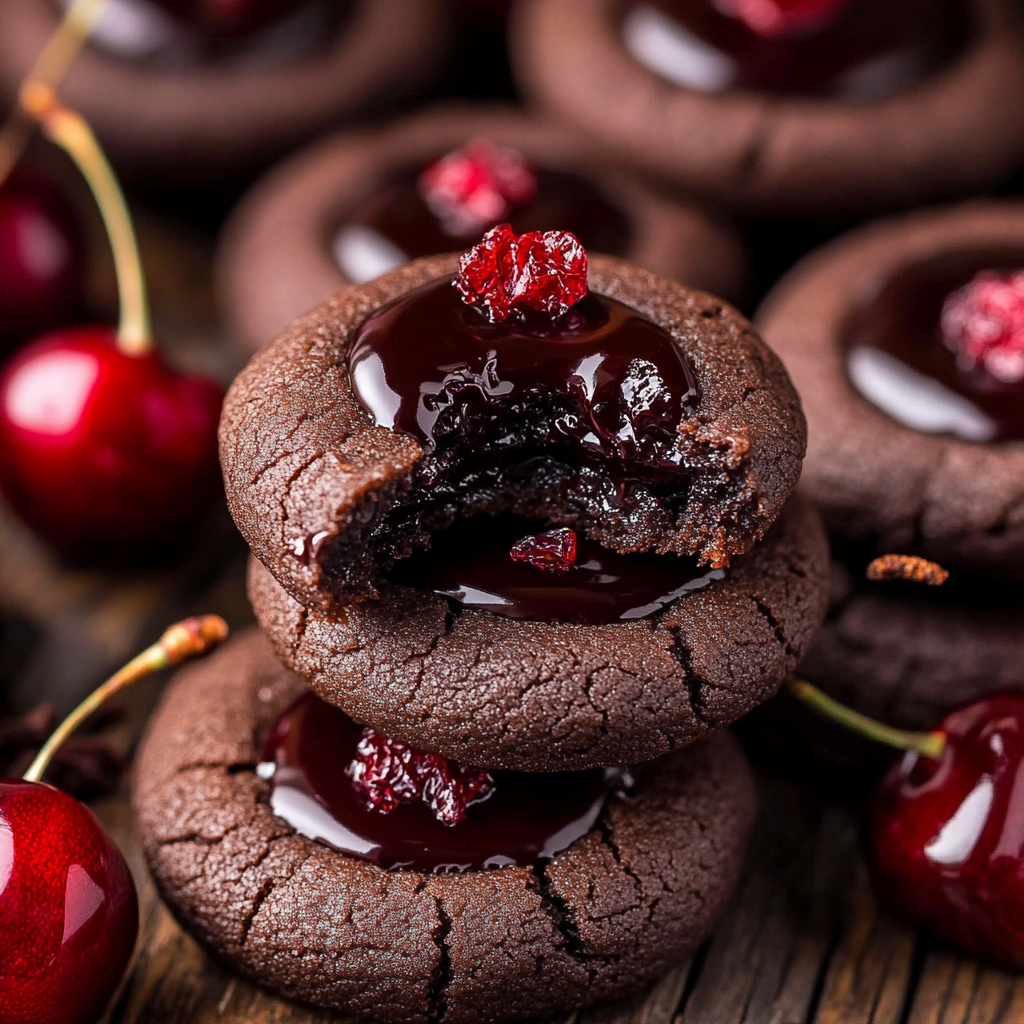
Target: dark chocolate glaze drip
[(471, 564), (820, 61), (564, 201), (528, 817), (903, 320), (612, 384)]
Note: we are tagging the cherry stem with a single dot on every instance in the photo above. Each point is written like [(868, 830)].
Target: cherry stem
[(188, 639), (72, 133), (927, 744), (50, 67)]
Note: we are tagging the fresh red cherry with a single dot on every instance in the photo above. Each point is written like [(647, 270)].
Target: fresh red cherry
[(103, 453), (69, 915), (41, 257), (947, 834), (228, 19)]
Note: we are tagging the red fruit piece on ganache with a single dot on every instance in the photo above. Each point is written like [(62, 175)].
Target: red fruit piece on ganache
[(983, 323), (553, 551), (506, 272), (773, 18), (476, 186), (386, 773)]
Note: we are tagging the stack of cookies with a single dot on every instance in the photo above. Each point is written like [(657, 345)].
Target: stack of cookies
[(523, 545)]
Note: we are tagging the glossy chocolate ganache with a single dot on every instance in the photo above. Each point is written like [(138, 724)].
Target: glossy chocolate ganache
[(473, 565), (855, 49), (398, 221), (940, 346), (518, 819), (553, 418)]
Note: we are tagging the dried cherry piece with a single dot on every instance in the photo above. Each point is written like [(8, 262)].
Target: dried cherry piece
[(386, 773), (474, 187), (983, 323), (552, 551), (774, 18), (541, 270)]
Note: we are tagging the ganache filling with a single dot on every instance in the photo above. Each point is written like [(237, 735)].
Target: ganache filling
[(359, 793), (940, 346)]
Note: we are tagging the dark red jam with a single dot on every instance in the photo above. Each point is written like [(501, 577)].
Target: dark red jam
[(860, 49), (899, 359), (398, 216), (472, 565), (527, 817)]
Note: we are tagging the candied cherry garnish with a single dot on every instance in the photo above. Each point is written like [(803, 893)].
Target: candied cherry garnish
[(552, 551), (508, 273), (68, 909), (778, 18), (983, 324), (476, 186), (386, 773)]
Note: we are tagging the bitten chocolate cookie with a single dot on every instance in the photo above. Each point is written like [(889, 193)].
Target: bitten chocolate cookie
[(890, 133), (630, 899), (871, 304), (349, 208), (551, 696), (180, 119), (327, 499)]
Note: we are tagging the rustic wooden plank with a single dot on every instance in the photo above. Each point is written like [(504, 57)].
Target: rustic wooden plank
[(766, 959), (870, 975), (958, 990), (655, 1005)]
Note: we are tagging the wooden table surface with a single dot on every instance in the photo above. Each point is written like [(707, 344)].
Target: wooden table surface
[(804, 940)]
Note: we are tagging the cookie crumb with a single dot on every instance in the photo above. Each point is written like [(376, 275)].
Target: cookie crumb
[(907, 567)]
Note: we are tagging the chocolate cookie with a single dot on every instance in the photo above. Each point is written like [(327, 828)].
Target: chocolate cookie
[(909, 655), (183, 123), (550, 696), (276, 259), (632, 898), (959, 130), (326, 498), (878, 481)]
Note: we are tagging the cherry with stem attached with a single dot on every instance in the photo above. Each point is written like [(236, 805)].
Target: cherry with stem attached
[(68, 908), (945, 827), (105, 450)]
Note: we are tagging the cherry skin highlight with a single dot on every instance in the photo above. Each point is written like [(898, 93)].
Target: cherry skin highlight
[(41, 257), (947, 836), (106, 455), (68, 909)]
